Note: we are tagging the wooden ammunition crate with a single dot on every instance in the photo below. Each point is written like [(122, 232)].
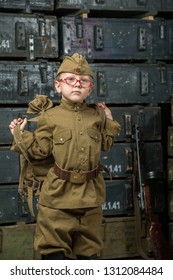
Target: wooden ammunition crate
[(119, 238), (16, 242)]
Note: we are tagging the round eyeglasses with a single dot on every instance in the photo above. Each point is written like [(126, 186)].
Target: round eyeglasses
[(72, 81)]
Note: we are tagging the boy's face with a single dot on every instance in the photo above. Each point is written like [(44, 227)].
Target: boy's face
[(75, 88)]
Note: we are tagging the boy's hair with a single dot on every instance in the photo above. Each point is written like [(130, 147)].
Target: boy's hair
[(75, 64)]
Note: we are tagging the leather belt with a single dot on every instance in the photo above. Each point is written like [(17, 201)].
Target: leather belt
[(77, 176)]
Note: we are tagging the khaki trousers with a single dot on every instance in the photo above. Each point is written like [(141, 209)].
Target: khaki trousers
[(73, 231)]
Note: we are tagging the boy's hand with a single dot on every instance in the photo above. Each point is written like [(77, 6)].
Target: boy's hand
[(15, 122), (106, 109)]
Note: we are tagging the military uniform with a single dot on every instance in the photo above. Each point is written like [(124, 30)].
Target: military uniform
[(70, 211)]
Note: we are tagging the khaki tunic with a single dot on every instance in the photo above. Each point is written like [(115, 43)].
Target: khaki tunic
[(73, 134)]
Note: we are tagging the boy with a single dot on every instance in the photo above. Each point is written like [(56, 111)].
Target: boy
[(70, 204)]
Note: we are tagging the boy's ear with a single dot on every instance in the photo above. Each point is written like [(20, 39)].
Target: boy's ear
[(90, 90), (57, 86)]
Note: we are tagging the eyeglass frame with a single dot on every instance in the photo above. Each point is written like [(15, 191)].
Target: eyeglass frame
[(77, 80)]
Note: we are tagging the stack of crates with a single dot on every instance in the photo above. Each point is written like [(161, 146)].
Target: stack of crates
[(28, 40), (129, 47), (170, 176)]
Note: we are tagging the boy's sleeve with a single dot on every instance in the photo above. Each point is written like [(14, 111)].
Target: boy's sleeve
[(39, 143), (111, 130), (27, 138)]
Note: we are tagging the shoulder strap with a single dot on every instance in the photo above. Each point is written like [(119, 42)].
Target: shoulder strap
[(19, 141), (35, 185)]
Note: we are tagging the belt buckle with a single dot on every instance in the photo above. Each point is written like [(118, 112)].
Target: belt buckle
[(77, 177)]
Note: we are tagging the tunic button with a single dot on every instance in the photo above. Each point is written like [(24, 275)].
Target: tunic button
[(79, 118), (61, 139), (81, 132), (82, 149)]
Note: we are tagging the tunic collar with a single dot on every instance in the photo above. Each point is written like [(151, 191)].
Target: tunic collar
[(66, 104)]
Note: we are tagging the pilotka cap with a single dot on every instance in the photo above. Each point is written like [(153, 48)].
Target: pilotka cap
[(75, 64)]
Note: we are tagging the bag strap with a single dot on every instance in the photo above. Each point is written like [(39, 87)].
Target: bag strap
[(21, 145)]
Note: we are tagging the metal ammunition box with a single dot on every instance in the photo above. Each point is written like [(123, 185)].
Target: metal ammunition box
[(148, 7), (120, 83), (170, 172), (162, 38), (119, 238), (100, 38), (9, 166), (107, 5), (28, 36), (115, 39), (70, 4), (14, 207), (6, 116), (119, 160), (16, 242), (151, 84), (165, 5), (9, 204), (147, 118), (28, 6), (119, 200), (22, 81), (118, 5)]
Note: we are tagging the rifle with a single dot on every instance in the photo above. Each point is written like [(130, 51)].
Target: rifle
[(144, 216)]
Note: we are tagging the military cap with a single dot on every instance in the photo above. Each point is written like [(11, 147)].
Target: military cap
[(75, 64)]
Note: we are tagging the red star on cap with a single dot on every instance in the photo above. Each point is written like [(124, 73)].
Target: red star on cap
[(78, 70)]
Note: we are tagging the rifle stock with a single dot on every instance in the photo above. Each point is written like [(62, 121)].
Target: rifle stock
[(158, 241), (143, 210)]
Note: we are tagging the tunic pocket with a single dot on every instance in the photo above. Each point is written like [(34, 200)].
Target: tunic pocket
[(94, 134), (62, 136)]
